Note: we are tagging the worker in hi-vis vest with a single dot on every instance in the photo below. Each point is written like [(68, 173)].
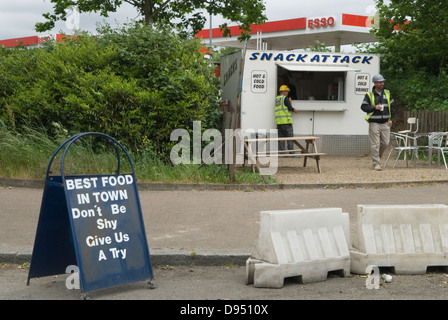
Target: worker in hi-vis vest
[(283, 117), (380, 109)]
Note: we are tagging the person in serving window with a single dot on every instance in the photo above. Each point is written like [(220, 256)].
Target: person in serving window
[(283, 117), (380, 109), (292, 94)]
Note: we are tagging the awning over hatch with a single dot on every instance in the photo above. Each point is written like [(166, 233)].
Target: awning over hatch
[(314, 68)]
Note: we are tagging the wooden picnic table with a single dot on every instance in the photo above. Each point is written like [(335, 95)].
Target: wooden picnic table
[(306, 148)]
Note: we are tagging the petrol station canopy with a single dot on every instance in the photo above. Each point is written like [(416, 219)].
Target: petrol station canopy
[(299, 33), (333, 30)]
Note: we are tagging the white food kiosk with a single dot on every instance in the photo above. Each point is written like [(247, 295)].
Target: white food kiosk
[(327, 89)]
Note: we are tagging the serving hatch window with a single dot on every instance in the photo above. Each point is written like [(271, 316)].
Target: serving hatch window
[(324, 83)]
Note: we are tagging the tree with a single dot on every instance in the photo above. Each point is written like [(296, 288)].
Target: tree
[(418, 29), (413, 45), (180, 14)]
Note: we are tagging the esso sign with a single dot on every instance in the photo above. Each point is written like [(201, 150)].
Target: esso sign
[(320, 22)]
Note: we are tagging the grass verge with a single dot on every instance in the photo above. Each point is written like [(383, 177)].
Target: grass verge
[(27, 156)]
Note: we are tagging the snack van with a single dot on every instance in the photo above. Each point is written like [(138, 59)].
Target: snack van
[(327, 89)]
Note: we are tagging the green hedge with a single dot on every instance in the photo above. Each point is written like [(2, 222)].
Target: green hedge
[(135, 84)]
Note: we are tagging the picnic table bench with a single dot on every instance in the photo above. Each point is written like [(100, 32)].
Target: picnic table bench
[(309, 150)]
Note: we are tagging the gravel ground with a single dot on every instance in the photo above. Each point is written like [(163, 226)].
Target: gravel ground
[(356, 169)]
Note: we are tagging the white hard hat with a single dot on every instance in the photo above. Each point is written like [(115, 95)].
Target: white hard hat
[(377, 78)]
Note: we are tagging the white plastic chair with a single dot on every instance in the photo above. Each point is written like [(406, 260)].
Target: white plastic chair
[(399, 143), (437, 141), (411, 121), (411, 133)]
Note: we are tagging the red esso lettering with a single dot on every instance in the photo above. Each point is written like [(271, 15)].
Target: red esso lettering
[(322, 22), (310, 24)]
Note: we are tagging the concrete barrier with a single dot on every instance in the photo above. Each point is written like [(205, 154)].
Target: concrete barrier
[(408, 238), (305, 244)]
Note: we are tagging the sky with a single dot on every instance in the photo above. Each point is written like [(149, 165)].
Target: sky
[(18, 17)]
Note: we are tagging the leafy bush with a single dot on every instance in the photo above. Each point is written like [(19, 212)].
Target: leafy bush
[(422, 91), (136, 84)]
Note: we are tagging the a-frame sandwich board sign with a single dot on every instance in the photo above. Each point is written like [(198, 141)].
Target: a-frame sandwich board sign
[(93, 222)]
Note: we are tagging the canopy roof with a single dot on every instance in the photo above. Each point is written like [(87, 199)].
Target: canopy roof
[(336, 30)]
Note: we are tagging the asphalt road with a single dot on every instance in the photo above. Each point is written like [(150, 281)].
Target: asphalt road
[(218, 222)]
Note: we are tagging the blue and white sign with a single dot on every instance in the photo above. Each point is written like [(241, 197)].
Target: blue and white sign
[(107, 226), (93, 222)]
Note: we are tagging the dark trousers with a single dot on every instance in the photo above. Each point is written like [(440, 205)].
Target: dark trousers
[(285, 130)]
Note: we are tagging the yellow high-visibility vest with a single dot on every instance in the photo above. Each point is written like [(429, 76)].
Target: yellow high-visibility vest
[(372, 101), (282, 114)]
